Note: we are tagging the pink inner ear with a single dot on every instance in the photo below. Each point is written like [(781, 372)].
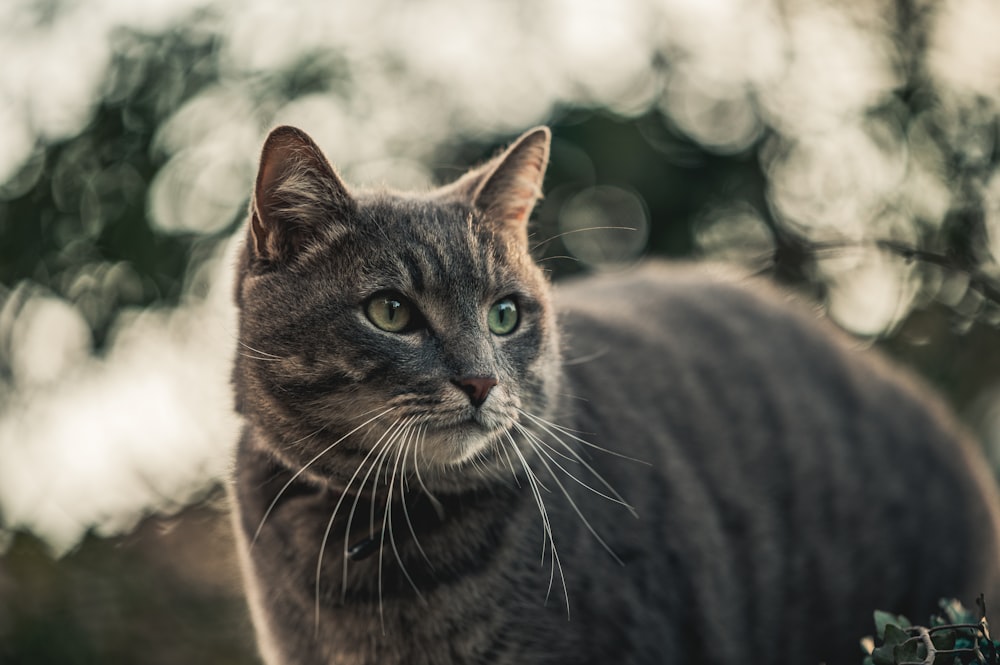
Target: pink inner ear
[(259, 234), (262, 226), (280, 147), (269, 173), (521, 213), (511, 188), (297, 197)]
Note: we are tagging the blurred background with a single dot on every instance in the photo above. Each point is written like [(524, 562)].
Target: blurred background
[(850, 149)]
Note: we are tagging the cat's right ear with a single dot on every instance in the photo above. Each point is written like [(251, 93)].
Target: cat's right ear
[(506, 188), (297, 200)]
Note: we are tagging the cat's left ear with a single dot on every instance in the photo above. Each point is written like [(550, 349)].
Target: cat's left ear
[(298, 197), (506, 188)]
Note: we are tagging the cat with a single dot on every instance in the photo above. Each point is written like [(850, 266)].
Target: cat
[(445, 459)]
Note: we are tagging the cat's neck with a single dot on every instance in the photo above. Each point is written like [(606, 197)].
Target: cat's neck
[(408, 520)]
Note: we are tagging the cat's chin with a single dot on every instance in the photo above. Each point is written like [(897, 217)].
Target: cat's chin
[(458, 444)]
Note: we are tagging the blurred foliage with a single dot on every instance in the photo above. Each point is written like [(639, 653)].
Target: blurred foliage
[(167, 593), (76, 221), (957, 636)]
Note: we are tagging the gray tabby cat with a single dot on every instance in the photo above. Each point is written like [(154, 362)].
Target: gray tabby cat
[(447, 460)]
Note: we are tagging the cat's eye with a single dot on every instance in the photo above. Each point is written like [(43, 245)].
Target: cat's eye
[(502, 317), (391, 312)]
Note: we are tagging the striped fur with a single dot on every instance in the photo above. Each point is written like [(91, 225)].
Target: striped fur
[(686, 469)]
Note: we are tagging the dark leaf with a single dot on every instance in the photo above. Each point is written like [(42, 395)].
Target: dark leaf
[(883, 619)]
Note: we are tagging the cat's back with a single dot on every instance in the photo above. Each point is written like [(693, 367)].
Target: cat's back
[(682, 329), (705, 326), (779, 453)]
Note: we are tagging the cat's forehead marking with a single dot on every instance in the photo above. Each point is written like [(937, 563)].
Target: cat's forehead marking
[(432, 247)]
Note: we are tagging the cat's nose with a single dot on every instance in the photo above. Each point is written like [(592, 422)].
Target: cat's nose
[(476, 387)]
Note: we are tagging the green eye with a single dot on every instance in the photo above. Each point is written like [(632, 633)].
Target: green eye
[(390, 312), (502, 318)]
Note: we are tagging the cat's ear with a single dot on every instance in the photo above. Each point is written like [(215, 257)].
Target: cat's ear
[(506, 188), (298, 197)]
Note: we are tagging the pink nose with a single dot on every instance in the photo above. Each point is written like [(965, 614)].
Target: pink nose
[(476, 387)]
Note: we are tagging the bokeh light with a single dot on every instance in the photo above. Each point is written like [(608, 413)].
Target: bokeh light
[(738, 129)]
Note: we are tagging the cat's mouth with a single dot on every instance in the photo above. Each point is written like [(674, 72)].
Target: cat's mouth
[(455, 443)]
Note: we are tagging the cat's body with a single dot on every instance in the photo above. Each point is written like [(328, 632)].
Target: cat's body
[(784, 485)]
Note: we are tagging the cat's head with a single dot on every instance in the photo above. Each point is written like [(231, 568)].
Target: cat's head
[(411, 325)]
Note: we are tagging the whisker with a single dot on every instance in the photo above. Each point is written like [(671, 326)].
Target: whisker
[(262, 353), (260, 358), (381, 546), (549, 430), (532, 484), (388, 511), (333, 516), (544, 424), (532, 487), (578, 398), (547, 528), (298, 473), (557, 256), (576, 508), (549, 426), (589, 228), (387, 526), (385, 448), (362, 414), (581, 360), (406, 512), (380, 461), (528, 433), (510, 463), (478, 462), (545, 450), (438, 508)]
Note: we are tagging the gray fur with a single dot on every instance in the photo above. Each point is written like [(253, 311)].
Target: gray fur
[(780, 484)]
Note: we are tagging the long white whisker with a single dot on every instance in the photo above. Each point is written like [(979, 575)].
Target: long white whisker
[(558, 256), (260, 358), (554, 433), (384, 449), (406, 511), (387, 526), (533, 485), (333, 516), (416, 467), (263, 353), (306, 466), (362, 414), (526, 432), (510, 463), (580, 360), (556, 563), (549, 426), (589, 228), (545, 449), (379, 462), (572, 503)]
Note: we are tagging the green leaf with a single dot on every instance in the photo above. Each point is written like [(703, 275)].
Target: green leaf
[(955, 612), (883, 655), (895, 635), (883, 619), (909, 651), (944, 640)]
